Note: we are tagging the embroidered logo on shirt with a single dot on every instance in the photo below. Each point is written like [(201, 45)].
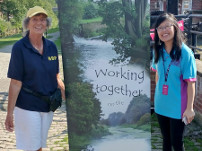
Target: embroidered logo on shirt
[(51, 58)]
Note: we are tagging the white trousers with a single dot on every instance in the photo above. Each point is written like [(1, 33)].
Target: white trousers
[(31, 128)]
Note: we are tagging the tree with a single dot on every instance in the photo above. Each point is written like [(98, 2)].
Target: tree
[(14, 10), (69, 15), (128, 24), (4, 26), (134, 16), (83, 108), (90, 11), (8, 8), (11, 9)]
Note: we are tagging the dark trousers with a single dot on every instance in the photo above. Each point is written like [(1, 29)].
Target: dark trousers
[(172, 131)]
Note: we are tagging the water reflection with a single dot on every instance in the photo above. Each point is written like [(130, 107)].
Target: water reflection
[(122, 139)]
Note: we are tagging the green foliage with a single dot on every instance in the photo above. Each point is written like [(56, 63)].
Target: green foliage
[(128, 28), (189, 144), (53, 30), (146, 127), (90, 11), (154, 120), (14, 11), (78, 142), (112, 14), (4, 27), (53, 3), (91, 27), (134, 126), (70, 12), (87, 33), (58, 45), (83, 108), (145, 119), (9, 40), (99, 131), (93, 20)]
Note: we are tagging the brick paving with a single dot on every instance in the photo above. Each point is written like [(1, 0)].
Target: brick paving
[(57, 138)]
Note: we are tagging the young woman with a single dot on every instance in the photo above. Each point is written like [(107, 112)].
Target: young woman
[(175, 69), (34, 65)]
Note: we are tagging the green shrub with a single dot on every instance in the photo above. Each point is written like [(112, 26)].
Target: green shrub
[(90, 12), (145, 119), (99, 131), (4, 28), (83, 108)]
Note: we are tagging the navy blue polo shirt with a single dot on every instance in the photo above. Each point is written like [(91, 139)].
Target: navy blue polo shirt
[(35, 71)]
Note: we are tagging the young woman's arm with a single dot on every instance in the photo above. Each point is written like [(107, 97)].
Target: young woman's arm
[(156, 77), (14, 89), (189, 112)]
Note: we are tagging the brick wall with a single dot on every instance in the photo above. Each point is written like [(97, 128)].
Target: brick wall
[(198, 97), (152, 5), (196, 4)]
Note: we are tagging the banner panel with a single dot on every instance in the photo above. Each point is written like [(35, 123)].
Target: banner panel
[(106, 69)]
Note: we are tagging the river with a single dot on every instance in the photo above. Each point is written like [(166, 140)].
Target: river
[(123, 139), (115, 86)]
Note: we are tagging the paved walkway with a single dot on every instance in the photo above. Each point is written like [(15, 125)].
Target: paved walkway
[(57, 138)]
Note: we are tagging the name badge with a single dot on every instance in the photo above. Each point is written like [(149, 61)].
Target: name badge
[(165, 90)]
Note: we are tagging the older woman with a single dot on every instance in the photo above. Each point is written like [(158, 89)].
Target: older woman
[(34, 65)]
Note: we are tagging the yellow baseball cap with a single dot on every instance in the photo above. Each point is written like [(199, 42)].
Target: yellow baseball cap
[(36, 10)]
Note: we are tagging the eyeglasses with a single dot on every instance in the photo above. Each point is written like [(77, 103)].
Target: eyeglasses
[(167, 27)]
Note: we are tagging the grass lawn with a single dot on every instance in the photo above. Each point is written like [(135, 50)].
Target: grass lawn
[(12, 39), (9, 40), (85, 21), (53, 30), (58, 44)]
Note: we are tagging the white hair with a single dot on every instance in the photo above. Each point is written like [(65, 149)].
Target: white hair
[(26, 22)]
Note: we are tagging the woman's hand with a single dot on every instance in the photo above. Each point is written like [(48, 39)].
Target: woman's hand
[(14, 89), (189, 114), (9, 123)]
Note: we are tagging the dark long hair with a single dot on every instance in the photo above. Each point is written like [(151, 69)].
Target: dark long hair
[(175, 53)]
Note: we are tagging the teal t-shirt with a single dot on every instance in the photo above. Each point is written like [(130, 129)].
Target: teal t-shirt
[(174, 104)]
